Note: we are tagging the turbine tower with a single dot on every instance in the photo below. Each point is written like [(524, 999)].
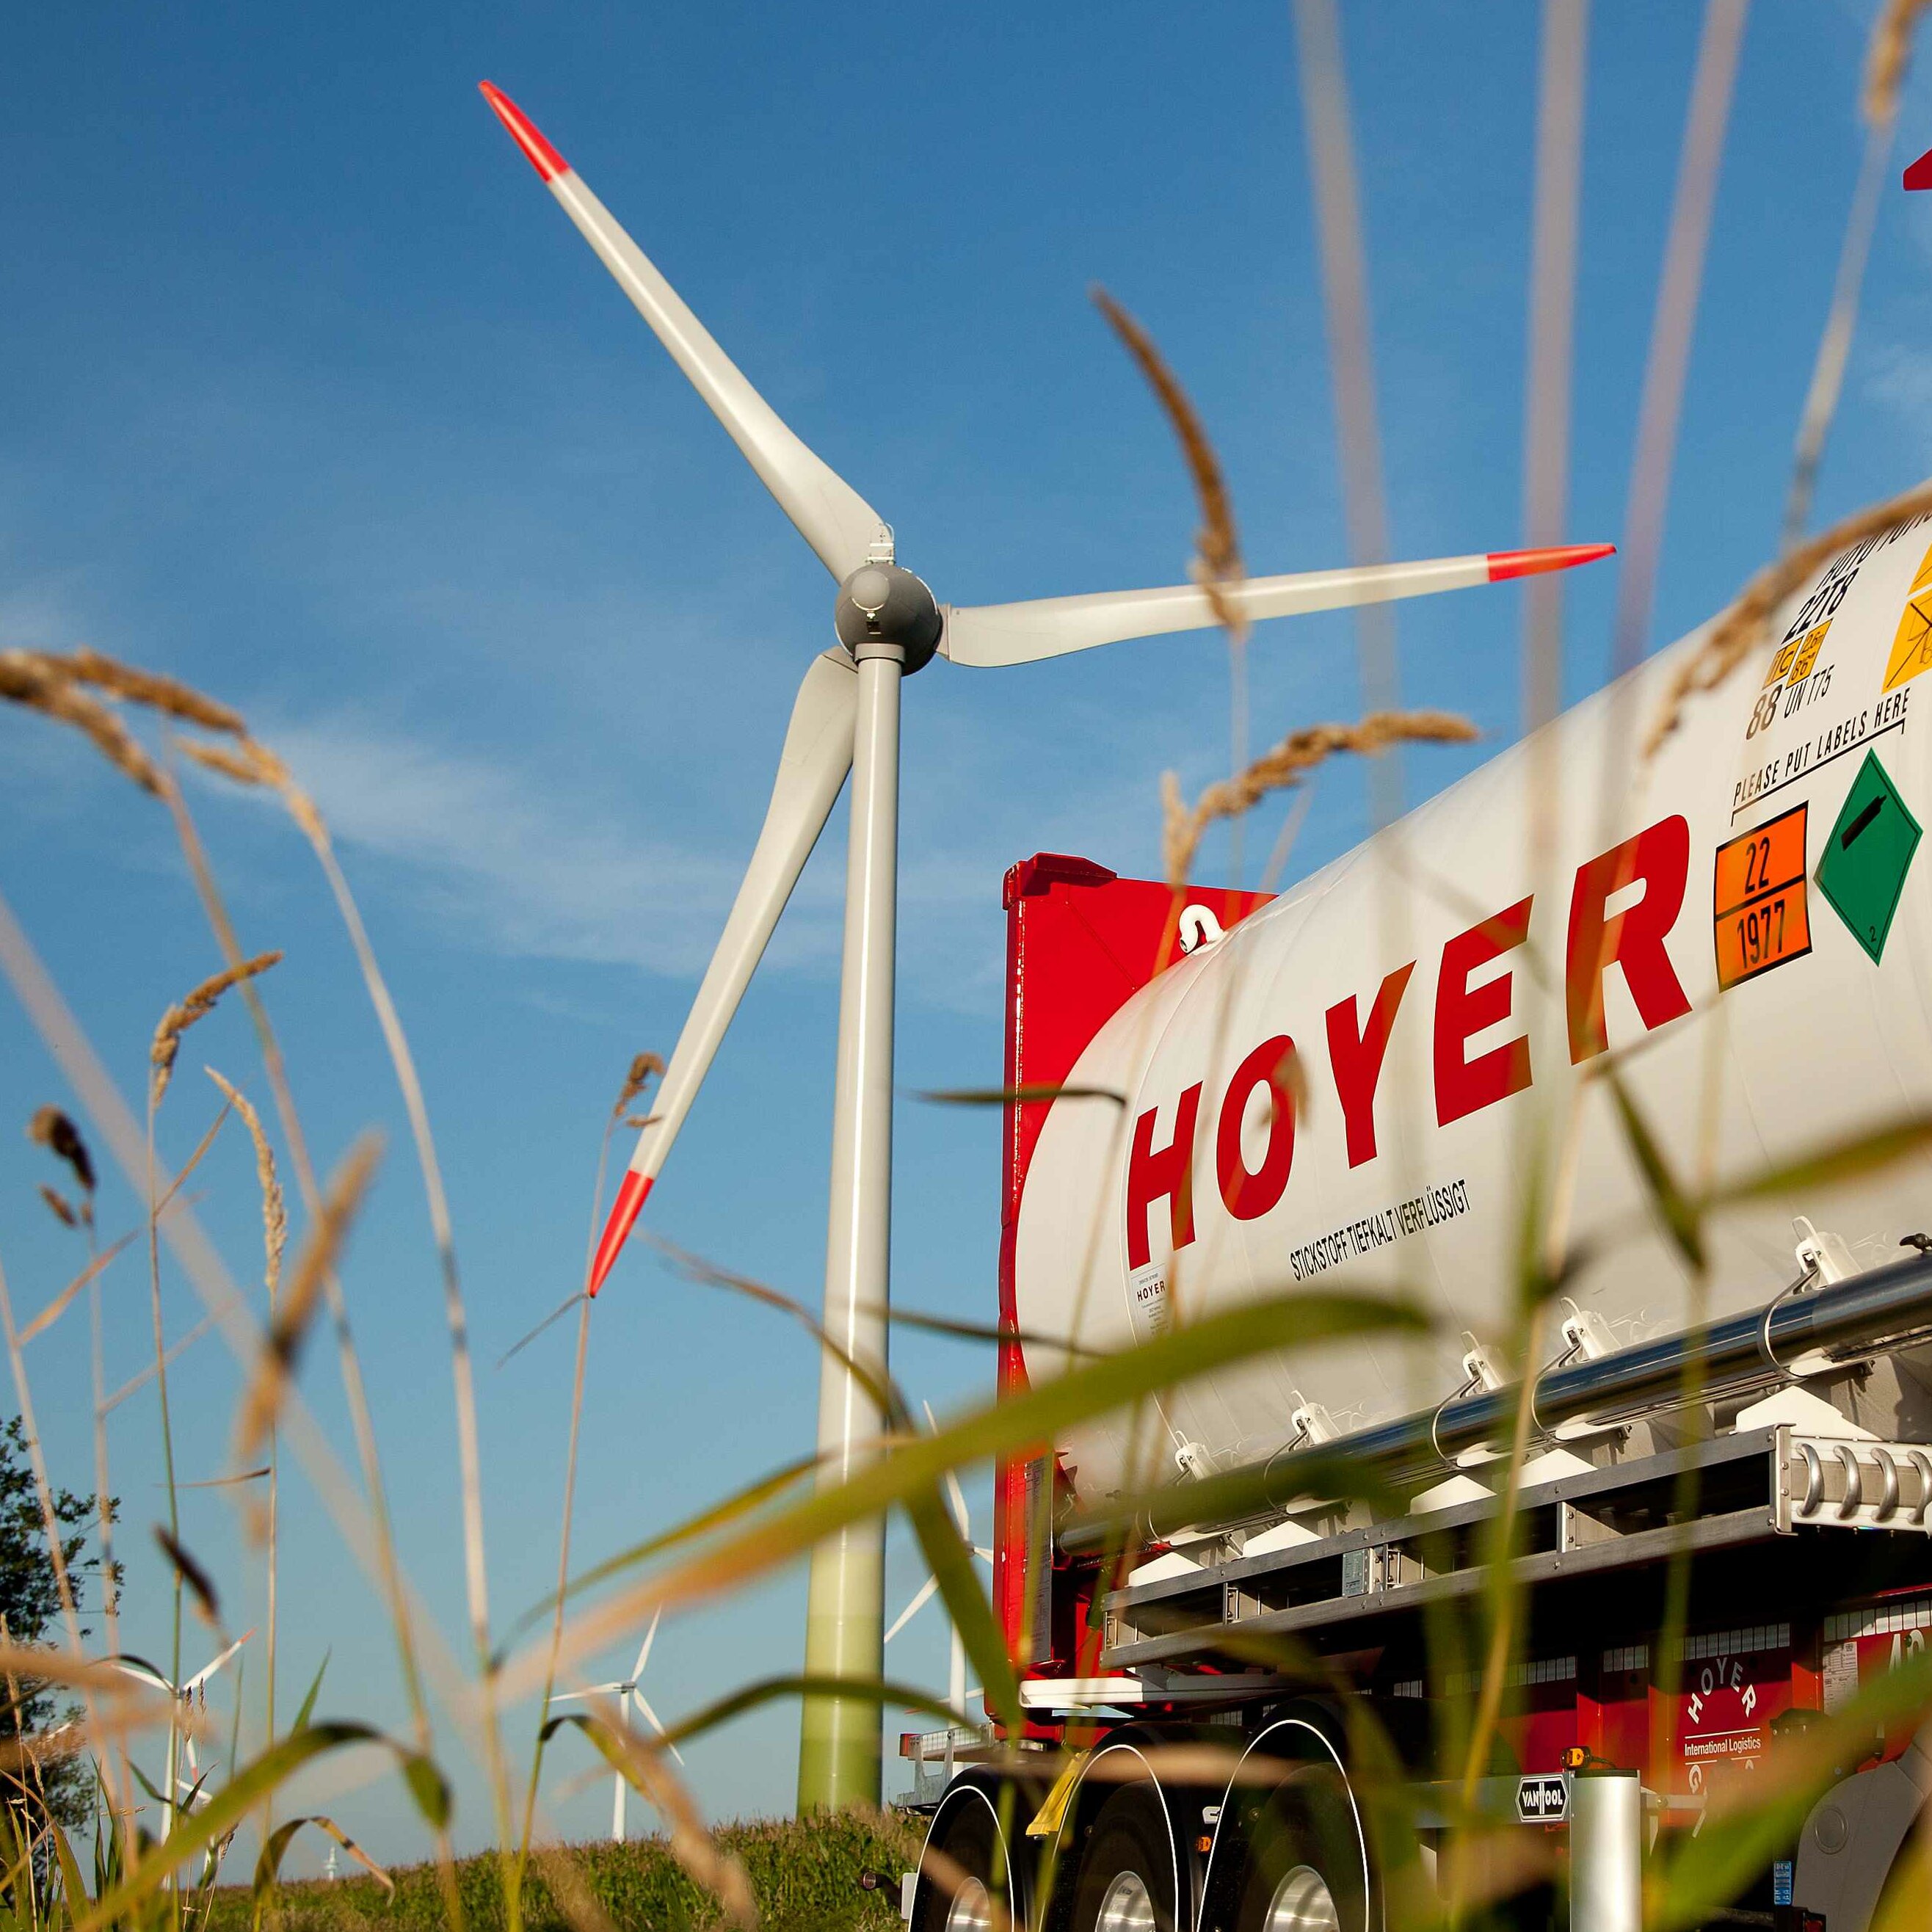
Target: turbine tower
[(846, 718)]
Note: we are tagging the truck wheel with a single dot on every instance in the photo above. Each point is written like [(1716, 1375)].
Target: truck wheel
[(1126, 1872), (967, 1835), (1304, 1862)]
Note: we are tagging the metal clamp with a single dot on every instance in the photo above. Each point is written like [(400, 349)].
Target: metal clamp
[(1889, 1500), (1854, 1481), (1814, 1480)]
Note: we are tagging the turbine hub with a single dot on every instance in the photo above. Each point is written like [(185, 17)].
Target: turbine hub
[(884, 611)]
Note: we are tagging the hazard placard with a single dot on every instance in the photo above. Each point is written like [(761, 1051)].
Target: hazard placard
[(1758, 908), (1867, 853), (1911, 643)]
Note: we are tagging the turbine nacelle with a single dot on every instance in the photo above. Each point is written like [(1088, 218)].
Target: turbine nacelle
[(884, 611)]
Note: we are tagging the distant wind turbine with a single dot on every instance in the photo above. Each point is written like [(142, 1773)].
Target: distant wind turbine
[(624, 1688)]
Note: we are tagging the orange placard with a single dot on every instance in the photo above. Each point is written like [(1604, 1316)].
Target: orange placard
[(1758, 905)]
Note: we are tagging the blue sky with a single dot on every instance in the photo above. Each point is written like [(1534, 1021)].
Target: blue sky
[(315, 399)]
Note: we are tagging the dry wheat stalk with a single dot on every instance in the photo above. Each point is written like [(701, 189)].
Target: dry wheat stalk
[(56, 1308), (58, 1201), (268, 1385), (1217, 566), (645, 1067), (51, 1129), (274, 1211), (1741, 627), (1886, 63), (201, 1585), (47, 685), (167, 695), (1285, 765), (250, 762), (200, 1002)]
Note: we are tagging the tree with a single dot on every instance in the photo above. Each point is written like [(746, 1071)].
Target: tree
[(30, 1603)]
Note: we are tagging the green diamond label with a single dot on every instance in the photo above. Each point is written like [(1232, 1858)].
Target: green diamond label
[(1867, 854)]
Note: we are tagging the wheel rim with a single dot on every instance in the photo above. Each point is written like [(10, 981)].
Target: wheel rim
[(1127, 1907), (971, 1910), (1302, 1903)]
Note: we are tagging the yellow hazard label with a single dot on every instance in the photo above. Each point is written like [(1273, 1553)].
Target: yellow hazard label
[(1808, 648), (1912, 646)]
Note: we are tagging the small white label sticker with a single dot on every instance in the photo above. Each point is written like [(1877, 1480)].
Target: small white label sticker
[(1841, 1675), (1146, 1300)]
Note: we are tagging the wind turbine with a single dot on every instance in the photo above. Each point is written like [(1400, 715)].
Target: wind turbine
[(626, 1687), (191, 1697), (955, 1680), (846, 718)]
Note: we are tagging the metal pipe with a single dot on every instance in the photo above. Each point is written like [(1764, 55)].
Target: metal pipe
[(1607, 1852), (1831, 1327)]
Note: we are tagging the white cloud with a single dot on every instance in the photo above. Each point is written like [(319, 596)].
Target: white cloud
[(1900, 379), (535, 870)]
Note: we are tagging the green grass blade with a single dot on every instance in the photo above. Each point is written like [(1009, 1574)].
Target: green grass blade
[(314, 1691), (879, 1691), (1675, 1209), (1851, 1158), (254, 1782), (914, 1465), (716, 1517), (1235, 1495), (1735, 1843), (951, 1562), (268, 1867), (72, 1887)]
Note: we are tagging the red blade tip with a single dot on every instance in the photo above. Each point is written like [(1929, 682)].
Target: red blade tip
[(623, 1214), (1919, 174), (537, 151), (1504, 564)]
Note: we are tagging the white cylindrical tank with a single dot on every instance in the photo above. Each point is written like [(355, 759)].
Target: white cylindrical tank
[(1360, 1084)]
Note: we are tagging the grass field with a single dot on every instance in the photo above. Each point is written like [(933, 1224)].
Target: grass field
[(805, 1873)]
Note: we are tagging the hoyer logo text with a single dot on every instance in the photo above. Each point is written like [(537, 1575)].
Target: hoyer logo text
[(1658, 859)]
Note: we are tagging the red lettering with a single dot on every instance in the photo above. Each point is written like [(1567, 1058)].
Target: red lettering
[(1154, 1172), (1249, 1196), (1633, 938), (1463, 1086), (1355, 1056)]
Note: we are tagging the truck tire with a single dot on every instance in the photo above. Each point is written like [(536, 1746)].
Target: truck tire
[(1304, 1871), (966, 1835), (1128, 1881)]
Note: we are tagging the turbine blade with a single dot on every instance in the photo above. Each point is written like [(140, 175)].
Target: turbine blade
[(656, 1723), (143, 1673), (1049, 627), (985, 1556), (912, 1609), (818, 754), (202, 1676), (832, 517), (959, 1515), (644, 1648)]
